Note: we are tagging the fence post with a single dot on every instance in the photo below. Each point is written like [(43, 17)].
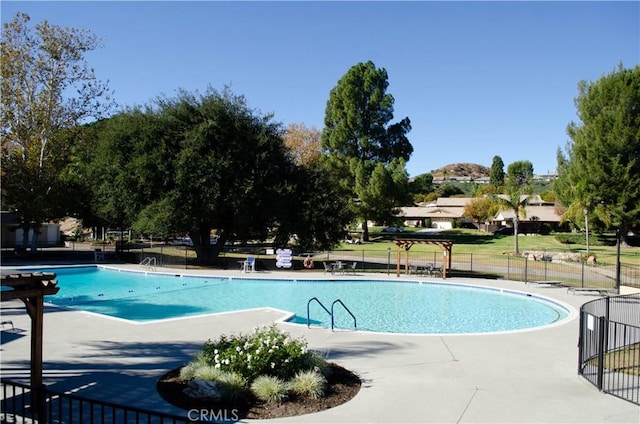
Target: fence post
[(526, 268), (508, 267), (471, 262), (581, 331), (617, 285), (601, 324), (388, 259), (607, 308), (582, 274)]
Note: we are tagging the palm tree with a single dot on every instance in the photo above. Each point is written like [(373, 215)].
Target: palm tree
[(583, 204), (515, 200)]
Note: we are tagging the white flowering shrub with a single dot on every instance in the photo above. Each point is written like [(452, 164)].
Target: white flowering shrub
[(268, 351)]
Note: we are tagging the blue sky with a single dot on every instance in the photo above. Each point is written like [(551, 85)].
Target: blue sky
[(476, 79)]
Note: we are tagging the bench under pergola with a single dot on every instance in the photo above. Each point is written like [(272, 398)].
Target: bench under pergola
[(407, 243), (31, 288)]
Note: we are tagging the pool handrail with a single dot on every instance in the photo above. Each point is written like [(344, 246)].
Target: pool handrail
[(323, 307), (355, 325)]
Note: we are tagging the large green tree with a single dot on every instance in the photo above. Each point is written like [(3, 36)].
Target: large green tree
[(383, 190), (602, 168), (124, 163), (420, 186), (203, 164), (318, 213), (578, 204), (47, 87), (233, 171), (358, 135)]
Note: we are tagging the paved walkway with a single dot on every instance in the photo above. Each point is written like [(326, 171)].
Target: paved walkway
[(520, 377)]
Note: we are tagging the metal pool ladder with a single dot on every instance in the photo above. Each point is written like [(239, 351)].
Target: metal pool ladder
[(149, 263), (331, 313)]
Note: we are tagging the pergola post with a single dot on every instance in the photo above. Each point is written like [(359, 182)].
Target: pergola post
[(35, 309), (31, 289)]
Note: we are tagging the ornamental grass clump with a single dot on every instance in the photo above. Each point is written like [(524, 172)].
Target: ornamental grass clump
[(188, 372), (269, 389), (232, 385), (308, 383), (207, 372)]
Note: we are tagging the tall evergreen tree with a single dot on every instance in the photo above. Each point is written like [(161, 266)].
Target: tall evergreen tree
[(358, 136), (496, 174), (603, 156)]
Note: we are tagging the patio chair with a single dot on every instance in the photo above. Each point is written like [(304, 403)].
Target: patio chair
[(249, 264), (327, 267), (432, 270), (351, 267)]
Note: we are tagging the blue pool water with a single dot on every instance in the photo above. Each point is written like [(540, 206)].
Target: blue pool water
[(381, 306)]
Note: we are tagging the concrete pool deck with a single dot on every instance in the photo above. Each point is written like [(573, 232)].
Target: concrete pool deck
[(517, 377)]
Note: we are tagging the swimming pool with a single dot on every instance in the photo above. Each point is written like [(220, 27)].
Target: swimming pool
[(379, 306)]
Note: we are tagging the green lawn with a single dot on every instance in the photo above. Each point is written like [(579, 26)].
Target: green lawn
[(473, 241), (465, 241)]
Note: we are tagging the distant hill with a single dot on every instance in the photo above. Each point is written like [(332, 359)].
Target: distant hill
[(472, 170)]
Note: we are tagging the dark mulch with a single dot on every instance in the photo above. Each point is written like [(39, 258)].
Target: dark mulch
[(343, 385)]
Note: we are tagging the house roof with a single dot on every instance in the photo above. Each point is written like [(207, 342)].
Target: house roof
[(542, 213), (453, 207), (455, 202), (534, 199), (420, 212)]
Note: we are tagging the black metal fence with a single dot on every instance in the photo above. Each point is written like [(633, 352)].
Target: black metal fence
[(571, 272), (519, 268), (609, 345), (19, 405)]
